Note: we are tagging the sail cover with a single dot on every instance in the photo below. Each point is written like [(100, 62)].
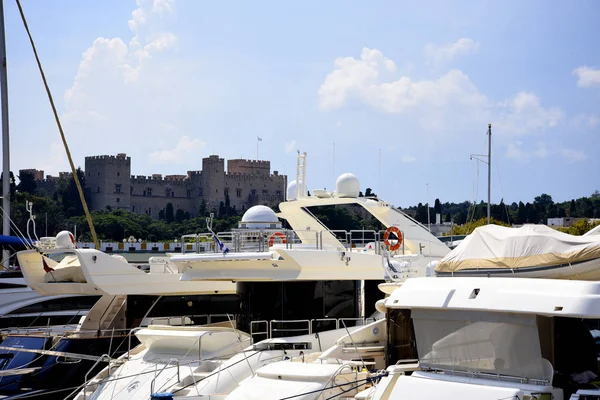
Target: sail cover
[(496, 247)]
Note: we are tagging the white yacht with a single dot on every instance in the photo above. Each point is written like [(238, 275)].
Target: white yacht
[(492, 338), (299, 295), (531, 251)]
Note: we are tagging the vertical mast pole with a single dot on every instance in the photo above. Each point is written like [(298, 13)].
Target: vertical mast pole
[(489, 173), (5, 137)]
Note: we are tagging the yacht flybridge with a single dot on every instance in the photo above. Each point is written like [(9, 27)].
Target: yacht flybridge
[(311, 250)]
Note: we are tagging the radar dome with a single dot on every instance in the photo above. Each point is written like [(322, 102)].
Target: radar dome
[(291, 193), (259, 217), (347, 185), (65, 240)]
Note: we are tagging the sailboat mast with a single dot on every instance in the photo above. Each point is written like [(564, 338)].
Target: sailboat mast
[(489, 173), (5, 142)]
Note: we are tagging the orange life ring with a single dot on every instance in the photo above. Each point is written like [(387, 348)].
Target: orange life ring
[(386, 237), (277, 235)]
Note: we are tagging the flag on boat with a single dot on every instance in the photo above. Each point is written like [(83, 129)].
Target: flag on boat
[(224, 248), (46, 266), (259, 139)]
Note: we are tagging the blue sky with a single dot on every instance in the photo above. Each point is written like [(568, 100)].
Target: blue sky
[(171, 81)]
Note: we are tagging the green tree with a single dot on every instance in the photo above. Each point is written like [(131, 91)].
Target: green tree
[(71, 200), (169, 213), (26, 182), (448, 218), (580, 227), (543, 200), (521, 213), (469, 227), (421, 214), (369, 193), (572, 209), (437, 207), (179, 215)]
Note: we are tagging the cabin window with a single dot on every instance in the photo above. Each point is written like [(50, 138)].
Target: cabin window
[(479, 342)]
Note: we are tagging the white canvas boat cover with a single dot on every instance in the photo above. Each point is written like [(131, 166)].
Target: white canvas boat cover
[(499, 247)]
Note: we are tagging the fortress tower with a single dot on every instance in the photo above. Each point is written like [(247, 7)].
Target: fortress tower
[(108, 181)]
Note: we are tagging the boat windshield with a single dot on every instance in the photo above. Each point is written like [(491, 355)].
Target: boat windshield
[(475, 342)]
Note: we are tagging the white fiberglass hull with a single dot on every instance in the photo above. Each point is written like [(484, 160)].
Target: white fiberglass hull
[(296, 264)]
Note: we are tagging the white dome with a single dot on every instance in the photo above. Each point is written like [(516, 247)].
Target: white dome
[(291, 191), (347, 185), (260, 214), (65, 240)]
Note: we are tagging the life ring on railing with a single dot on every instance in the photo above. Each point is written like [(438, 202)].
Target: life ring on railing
[(277, 235), (386, 236)]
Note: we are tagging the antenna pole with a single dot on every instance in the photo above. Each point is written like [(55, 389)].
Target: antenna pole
[(428, 214), (5, 142), (379, 175), (489, 173)]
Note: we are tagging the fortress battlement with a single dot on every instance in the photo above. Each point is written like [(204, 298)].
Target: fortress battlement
[(118, 157)]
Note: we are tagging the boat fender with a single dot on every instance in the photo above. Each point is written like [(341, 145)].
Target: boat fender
[(161, 396)]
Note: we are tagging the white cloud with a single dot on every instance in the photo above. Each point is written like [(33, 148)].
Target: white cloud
[(338, 124), (408, 159), (542, 151), (290, 146), (587, 76), (439, 55), (451, 99), (185, 150), (572, 155), (583, 121), (124, 91), (352, 75), (515, 151), (524, 113)]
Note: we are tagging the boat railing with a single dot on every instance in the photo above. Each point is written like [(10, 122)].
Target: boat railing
[(103, 358), (486, 375), (194, 319), (172, 360), (282, 325), (41, 329), (254, 325), (260, 240), (265, 329)]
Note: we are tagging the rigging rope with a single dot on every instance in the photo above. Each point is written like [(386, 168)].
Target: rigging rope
[(88, 216)]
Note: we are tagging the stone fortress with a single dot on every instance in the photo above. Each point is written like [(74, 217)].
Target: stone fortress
[(110, 185)]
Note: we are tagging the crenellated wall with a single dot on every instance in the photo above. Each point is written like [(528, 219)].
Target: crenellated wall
[(247, 182)]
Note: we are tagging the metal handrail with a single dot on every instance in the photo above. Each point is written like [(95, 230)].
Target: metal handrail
[(252, 323), (257, 239), (131, 332), (103, 357), (161, 371), (291, 321), (312, 321)]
